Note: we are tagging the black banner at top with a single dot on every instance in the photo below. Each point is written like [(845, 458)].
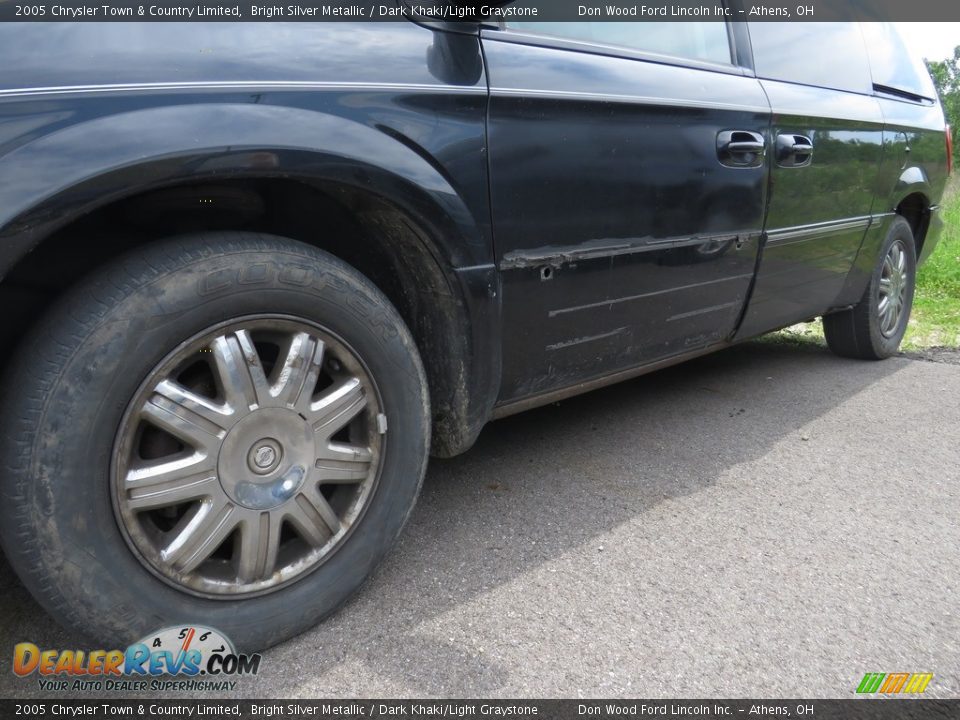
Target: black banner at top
[(489, 11)]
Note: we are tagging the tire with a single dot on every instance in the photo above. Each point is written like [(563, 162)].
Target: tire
[(863, 331), (78, 435)]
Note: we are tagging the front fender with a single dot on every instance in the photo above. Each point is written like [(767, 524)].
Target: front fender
[(50, 181)]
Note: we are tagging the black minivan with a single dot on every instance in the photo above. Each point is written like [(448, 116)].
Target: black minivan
[(255, 274)]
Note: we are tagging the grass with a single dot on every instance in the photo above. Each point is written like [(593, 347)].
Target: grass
[(935, 320)]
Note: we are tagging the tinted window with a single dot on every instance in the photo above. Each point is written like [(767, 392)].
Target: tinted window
[(830, 55), (692, 40), (892, 64)]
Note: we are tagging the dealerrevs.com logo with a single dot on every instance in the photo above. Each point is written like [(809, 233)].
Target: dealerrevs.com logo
[(182, 651)]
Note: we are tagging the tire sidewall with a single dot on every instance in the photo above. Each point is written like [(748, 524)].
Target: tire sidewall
[(123, 337)]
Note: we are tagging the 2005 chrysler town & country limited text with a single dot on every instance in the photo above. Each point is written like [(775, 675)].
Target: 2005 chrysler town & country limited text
[(254, 274)]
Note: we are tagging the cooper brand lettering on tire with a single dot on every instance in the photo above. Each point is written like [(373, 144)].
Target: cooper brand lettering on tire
[(215, 282), (296, 275), (254, 274)]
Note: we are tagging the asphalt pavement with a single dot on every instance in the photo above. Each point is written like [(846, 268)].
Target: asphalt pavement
[(768, 521)]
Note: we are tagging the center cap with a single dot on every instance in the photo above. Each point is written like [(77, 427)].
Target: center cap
[(266, 457)]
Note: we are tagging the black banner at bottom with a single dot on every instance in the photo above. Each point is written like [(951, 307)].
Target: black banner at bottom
[(492, 709)]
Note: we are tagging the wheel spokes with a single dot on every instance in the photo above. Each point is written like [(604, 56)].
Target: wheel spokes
[(892, 289), (895, 313), (340, 464), (239, 371), (257, 546), (296, 375), (188, 403), (195, 427), (203, 532), (267, 475), (171, 483), (313, 517), (889, 315), (337, 407)]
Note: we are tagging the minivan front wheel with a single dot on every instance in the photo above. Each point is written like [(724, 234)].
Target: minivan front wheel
[(227, 430), (875, 326), (248, 456)]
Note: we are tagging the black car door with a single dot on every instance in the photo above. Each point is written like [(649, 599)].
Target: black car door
[(628, 186), (827, 138)]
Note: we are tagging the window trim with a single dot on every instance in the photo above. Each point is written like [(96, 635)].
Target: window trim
[(892, 92), (897, 91), (502, 33)]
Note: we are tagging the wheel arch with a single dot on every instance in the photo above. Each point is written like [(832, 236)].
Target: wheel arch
[(395, 217), (54, 179), (911, 200), (915, 209)]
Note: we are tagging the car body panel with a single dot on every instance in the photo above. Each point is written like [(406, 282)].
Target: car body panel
[(620, 237), (916, 162), (616, 241), (399, 112), (333, 120), (818, 214)]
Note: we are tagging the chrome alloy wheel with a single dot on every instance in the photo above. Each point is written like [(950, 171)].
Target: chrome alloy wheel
[(247, 456), (893, 288)]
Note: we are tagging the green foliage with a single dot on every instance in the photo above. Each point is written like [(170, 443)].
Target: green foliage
[(936, 311), (946, 76)]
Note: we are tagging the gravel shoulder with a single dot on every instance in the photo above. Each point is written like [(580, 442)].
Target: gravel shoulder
[(948, 355)]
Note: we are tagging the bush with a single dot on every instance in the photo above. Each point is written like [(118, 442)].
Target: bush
[(946, 76)]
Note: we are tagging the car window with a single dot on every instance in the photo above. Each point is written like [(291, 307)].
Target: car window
[(825, 54), (892, 64), (692, 40)]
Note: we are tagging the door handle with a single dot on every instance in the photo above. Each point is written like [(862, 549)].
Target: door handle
[(741, 148), (794, 150), (745, 146)]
